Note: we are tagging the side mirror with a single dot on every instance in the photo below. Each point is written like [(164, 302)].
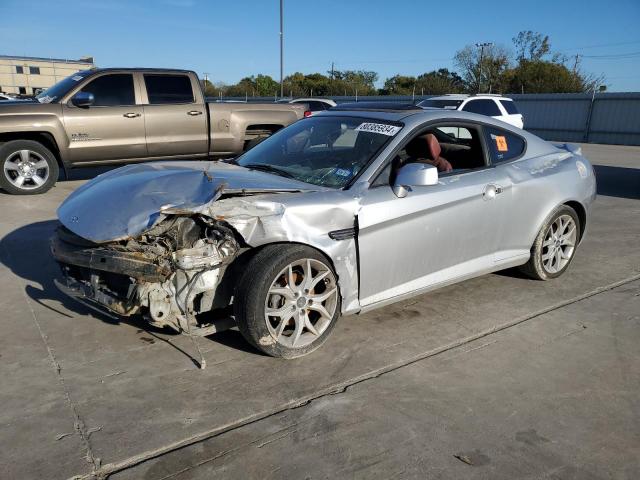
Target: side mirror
[(414, 175), (83, 99)]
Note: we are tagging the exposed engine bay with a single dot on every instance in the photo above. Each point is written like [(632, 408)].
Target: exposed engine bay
[(174, 274)]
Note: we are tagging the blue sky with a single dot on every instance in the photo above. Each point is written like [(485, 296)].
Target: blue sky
[(230, 39)]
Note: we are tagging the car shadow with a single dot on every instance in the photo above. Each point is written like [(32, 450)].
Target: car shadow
[(25, 251), (621, 182), (85, 173)]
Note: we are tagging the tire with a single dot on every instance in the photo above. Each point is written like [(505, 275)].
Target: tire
[(287, 333), (19, 172), (553, 252)]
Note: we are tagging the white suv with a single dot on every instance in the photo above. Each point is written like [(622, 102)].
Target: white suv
[(495, 106)]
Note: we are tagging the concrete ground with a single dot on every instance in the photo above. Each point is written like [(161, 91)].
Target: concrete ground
[(498, 377)]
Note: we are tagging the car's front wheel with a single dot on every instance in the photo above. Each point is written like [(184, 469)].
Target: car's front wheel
[(27, 167), (287, 301), (555, 245)]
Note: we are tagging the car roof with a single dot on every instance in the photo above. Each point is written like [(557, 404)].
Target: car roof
[(312, 99), (464, 96), (418, 116), (141, 69), (451, 96), (378, 106)]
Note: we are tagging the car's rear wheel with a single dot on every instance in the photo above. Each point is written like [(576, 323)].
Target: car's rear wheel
[(555, 245), (27, 167), (287, 302)]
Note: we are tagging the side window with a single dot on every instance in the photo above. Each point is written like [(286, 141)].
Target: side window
[(167, 89), (383, 178), (503, 145), (483, 107), (510, 107), (112, 90), (316, 106), (451, 148)]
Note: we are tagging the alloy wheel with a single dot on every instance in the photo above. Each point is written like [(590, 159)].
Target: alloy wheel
[(301, 303), (26, 169), (559, 244)]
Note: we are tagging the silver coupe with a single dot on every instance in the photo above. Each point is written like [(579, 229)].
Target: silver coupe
[(337, 214)]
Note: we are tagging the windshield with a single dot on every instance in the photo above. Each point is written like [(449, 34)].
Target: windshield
[(446, 104), (325, 151), (60, 89)]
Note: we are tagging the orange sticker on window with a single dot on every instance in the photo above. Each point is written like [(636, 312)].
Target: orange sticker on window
[(501, 143)]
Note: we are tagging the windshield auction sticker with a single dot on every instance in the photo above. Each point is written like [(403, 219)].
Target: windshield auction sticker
[(384, 129)]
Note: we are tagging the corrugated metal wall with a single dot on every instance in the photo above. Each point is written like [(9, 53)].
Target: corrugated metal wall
[(611, 118)]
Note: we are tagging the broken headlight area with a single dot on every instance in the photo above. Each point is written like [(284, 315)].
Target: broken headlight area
[(173, 274)]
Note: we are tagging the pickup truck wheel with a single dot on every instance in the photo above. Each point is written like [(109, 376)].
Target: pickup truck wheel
[(288, 301), (27, 167)]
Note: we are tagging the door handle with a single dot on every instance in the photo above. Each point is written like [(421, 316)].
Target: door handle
[(131, 115), (490, 192), (193, 113)]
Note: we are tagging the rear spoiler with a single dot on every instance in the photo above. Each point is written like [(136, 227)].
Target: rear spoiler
[(569, 147)]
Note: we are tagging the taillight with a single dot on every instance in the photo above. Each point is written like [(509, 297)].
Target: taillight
[(307, 113)]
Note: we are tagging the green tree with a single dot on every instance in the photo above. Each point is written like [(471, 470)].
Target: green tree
[(258, 85), (265, 85), (399, 85), (485, 77), (535, 74), (438, 82), (351, 81), (539, 76), (209, 88), (301, 85), (531, 46)]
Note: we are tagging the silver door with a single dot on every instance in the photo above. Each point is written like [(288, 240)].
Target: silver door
[(433, 235)]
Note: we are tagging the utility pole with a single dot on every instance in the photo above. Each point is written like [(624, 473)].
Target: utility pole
[(575, 64), (331, 82), (281, 49), (481, 46), (206, 79)]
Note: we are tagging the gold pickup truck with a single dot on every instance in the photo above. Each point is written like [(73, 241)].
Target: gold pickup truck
[(123, 115)]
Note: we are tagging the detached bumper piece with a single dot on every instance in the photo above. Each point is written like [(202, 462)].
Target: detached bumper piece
[(78, 292), (103, 279), (140, 266)]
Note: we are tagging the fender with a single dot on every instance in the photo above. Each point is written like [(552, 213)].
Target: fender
[(35, 118)]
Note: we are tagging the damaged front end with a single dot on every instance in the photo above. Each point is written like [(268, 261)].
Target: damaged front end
[(175, 274)]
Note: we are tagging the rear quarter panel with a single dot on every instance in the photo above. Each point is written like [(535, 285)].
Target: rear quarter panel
[(229, 122), (539, 185)]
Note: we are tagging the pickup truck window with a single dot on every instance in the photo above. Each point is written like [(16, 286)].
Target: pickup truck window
[(164, 89), (60, 89), (112, 90)]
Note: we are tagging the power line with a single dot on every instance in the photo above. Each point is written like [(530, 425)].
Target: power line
[(571, 49), (613, 55)]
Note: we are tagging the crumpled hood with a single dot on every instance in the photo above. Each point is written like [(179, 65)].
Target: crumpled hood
[(129, 200)]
